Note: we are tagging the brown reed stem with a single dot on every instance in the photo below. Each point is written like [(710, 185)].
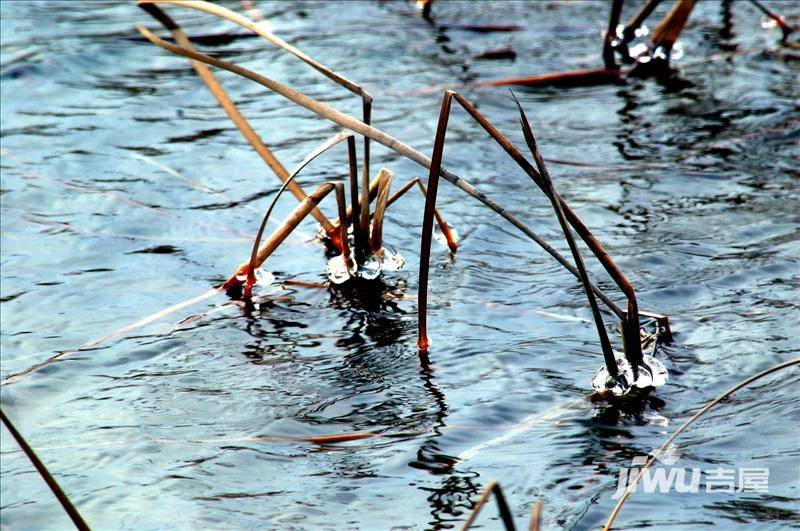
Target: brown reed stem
[(536, 516), (629, 33), (363, 220), (575, 78), (427, 222), (403, 149), (493, 487), (344, 244), (447, 232), (246, 23), (373, 193), (275, 239), (605, 344), (449, 235), (380, 209), (359, 239), (322, 148), (611, 34), (672, 25), (232, 111), (402, 191), (786, 29), (63, 499), (700, 413)]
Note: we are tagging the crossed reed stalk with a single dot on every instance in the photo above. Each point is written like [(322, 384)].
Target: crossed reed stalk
[(568, 219)]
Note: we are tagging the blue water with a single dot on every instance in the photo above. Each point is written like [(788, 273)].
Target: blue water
[(693, 188)]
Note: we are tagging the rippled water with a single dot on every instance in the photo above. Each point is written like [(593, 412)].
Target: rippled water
[(693, 188)]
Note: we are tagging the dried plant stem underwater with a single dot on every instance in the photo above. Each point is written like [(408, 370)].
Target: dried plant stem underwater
[(63, 499), (700, 413), (113, 335), (233, 112), (403, 149)]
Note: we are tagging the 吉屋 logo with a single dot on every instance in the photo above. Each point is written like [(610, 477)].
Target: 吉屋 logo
[(662, 477)]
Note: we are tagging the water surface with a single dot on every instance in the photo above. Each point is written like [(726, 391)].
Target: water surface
[(693, 189)]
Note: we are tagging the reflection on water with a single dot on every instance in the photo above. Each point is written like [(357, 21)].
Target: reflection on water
[(125, 190)]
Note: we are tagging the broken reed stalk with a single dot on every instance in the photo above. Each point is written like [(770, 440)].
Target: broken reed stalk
[(63, 499), (700, 413), (376, 242), (493, 487), (257, 257), (605, 344), (236, 18), (362, 250), (786, 29), (403, 149), (232, 111)]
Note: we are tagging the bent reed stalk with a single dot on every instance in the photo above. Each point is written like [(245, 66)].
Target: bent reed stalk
[(700, 413), (393, 144)]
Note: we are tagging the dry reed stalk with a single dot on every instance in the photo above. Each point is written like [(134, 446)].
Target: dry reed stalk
[(629, 33), (402, 191), (786, 29), (403, 149), (633, 351), (247, 269), (605, 344), (670, 28), (447, 232), (574, 78), (380, 210), (362, 236), (493, 487), (655, 455), (322, 148), (232, 111), (63, 499), (536, 516), (231, 16), (611, 34), (344, 243)]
